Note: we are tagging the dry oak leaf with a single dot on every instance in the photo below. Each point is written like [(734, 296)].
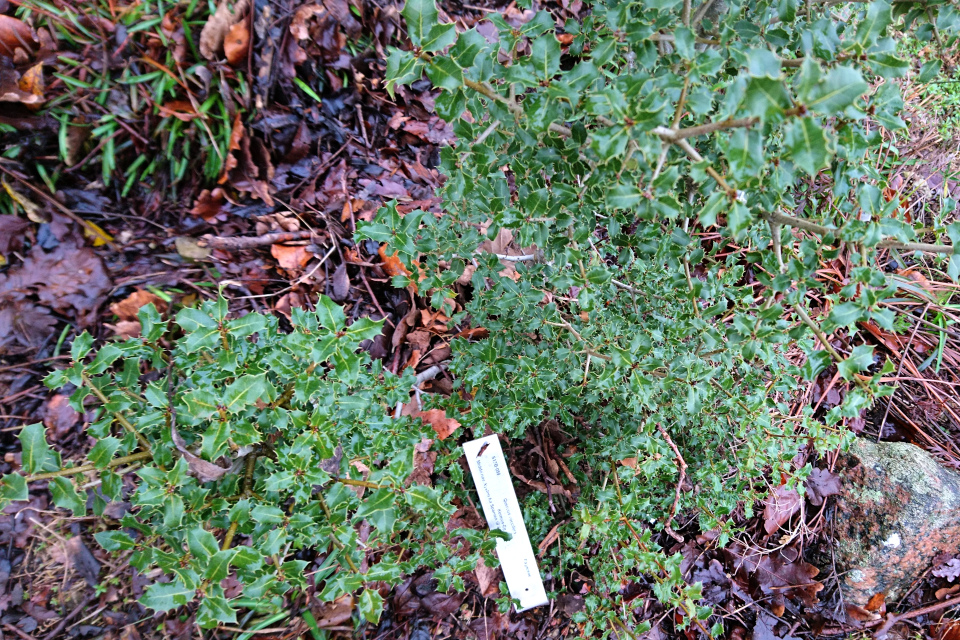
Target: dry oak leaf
[(442, 425), (218, 26), (488, 578), (291, 258), (127, 308), (15, 34), (237, 44)]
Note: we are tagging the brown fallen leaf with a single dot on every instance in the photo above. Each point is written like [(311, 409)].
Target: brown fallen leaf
[(208, 204), (423, 463), (298, 26), (15, 34), (820, 484), (441, 424), (340, 282), (779, 507), (218, 26), (779, 574), (291, 258), (201, 469), (391, 264), (237, 43), (236, 137), (488, 578), (128, 308), (12, 229), (332, 614), (58, 416), (180, 109)]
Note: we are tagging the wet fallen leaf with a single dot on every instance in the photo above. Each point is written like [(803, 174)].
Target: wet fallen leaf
[(332, 614), (98, 237), (58, 416), (70, 279), (779, 574), (190, 249), (291, 258), (218, 26), (949, 570), (203, 470), (820, 484), (82, 560), (779, 507), (24, 323), (423, 463), (15, 34), (237, 43), (34, 211), (298, 26), (127, 308), (12, 229), (208, 204), (236, 137), (340, 282)]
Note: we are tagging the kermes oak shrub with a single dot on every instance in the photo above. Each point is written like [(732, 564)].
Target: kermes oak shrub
[(660, 166)]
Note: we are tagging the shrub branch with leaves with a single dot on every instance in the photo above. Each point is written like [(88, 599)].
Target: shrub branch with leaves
[(238, 428)]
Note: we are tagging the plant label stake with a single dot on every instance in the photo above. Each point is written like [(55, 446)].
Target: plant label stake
[(502, 510)]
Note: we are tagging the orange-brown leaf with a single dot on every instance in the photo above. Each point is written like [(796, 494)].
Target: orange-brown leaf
[(392, 265), (442, 425), (237, 43), (15, 34), (290, 258)]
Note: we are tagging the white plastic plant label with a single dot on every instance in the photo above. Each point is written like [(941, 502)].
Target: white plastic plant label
[(502, 511)]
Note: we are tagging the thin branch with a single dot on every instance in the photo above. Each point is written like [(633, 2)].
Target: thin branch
[(249, 242), (119, 417), (682, 468), (72, 471)]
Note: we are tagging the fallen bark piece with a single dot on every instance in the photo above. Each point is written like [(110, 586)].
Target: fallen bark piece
[(899, 508)]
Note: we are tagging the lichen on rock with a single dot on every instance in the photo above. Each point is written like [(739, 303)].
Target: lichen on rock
[(899, 508)]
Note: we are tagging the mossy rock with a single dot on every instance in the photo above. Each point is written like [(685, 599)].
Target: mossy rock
[(899, 508)]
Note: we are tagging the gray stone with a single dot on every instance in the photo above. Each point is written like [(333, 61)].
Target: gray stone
[(899, 508)]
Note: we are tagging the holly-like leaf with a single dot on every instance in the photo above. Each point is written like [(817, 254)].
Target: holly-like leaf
[(243, 391), (808, 145), (215, 610), (370, 605), (164, 596), (65, 496), (860, 359), (36, 455), (840, 89), (421, 17)]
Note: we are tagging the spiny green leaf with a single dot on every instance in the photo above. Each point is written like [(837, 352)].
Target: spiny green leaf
[(421, 17), (243, 391), (65, 496), (162, 596), (807, 143), (36, 454)]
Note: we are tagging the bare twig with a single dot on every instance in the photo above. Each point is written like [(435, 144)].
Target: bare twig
[(248, 242), (682, 468)]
